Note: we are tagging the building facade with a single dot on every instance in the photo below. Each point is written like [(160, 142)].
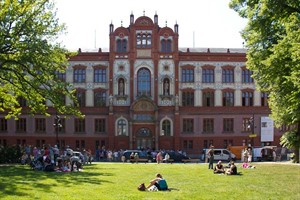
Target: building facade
[(146, 92)]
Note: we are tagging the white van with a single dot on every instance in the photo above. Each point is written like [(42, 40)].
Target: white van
[(220, 154)]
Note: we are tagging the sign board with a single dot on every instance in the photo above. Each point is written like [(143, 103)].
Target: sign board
[(267, 129), (252, 135)]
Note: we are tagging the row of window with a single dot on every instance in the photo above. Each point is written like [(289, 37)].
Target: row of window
[(208, 97), (208, 75), (209, 124), (122, 126), (143, 41)]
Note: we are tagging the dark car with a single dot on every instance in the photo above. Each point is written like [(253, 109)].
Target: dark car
[(142, 155), (176, 156)]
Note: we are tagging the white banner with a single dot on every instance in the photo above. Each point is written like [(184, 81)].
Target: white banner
[(267, 129)]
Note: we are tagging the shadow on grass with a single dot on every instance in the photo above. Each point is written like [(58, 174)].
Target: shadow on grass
[(14, 178)]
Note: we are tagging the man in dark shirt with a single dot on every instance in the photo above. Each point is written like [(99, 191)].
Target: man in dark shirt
[(232, 170)]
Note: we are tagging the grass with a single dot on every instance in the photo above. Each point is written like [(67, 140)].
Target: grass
[(120, 181)]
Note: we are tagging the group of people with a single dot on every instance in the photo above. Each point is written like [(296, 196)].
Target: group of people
[(51, 158), (219, 168)]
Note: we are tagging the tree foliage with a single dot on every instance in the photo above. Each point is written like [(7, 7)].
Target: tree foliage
[(30, 58), (272, 38)]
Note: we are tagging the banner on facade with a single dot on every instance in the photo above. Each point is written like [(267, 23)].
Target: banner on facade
[(267, 129)]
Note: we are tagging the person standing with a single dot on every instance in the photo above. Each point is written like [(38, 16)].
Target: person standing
[(245, 155), (249, 155), (159, 157), (210, 156)]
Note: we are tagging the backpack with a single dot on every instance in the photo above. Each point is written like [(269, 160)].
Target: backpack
[(142, 187), (162, 184)]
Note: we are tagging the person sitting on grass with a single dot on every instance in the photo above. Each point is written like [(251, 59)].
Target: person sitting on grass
[(232, 170), (158, 183), (219, 169)]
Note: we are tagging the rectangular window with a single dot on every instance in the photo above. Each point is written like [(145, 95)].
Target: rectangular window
[(246, 76), (188, 98), (80, 98), (188, 126), (246, 127), (79, 75), (228, 125), (143, 40), (21, 125), (208, 125), (79, 125), (208, 76), (3, 125), (100, 75), (228, 76), (247, 99), (228, 99), (208, 99), (100, 125), (80, 144), (60, 75), (121, 46), (100, 99), (188, 144), (187, 75), (40, 125)]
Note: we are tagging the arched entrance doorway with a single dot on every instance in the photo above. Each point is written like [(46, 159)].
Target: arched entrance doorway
[(144, 139)]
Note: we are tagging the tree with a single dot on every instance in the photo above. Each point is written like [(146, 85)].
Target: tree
[(31, 59), (272, 38)]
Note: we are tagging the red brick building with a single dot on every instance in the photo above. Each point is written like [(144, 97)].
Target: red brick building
[(146, 92)]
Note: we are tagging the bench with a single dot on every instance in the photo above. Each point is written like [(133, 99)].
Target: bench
[(193, 160), (168, 161), (145, 160)]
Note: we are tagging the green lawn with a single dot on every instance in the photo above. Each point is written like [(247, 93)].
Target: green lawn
[(120, 181)]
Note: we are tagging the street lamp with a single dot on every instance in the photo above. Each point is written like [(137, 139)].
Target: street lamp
[(251, 125), (57, 125)]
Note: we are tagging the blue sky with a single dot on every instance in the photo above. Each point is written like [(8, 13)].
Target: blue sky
[(202, 23)]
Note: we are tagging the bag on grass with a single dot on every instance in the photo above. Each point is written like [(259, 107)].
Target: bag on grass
[(141, 187)]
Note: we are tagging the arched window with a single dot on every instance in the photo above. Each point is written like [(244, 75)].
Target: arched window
[(122, 127), (143, 82), (166, 127), (121, 90)]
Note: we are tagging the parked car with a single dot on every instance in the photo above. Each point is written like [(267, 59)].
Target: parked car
[(142, 154), (176, 156), (263, 153), (220, 154)]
